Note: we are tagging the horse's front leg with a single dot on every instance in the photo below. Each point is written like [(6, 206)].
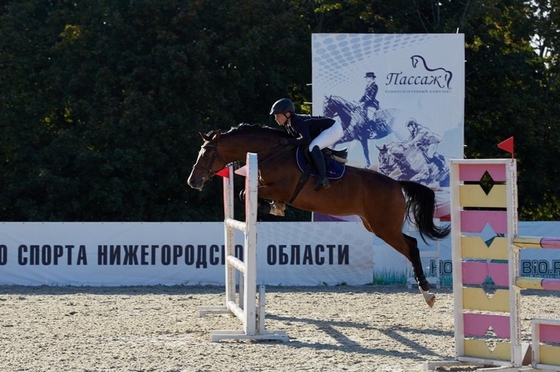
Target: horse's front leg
[(265, 206), (272, 207)]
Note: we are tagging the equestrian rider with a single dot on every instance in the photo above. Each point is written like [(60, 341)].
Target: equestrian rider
[(420, 136), (317, 132), (369, 99), (426, 141)]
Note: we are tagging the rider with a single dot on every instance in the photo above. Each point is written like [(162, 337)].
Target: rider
[(426, 141), (369, 98), (317, 132)]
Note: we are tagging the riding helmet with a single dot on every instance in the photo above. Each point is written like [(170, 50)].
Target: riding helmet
[(282, 106)]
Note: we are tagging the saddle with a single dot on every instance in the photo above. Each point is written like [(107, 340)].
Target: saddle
[(340, 156), (335, 167)]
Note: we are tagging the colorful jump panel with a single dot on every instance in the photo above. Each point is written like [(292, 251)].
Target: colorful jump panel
[(483, 322), (479, 324), (474, 196), (475, 221), (473, 247), (479, 348), (475, 172), (486, 258), (479, 272), (550, 355)]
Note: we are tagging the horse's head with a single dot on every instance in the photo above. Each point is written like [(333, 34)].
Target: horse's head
[(389, 157), (219, 149), (415, 59), (208, 162), (328, 109), (338, 106)]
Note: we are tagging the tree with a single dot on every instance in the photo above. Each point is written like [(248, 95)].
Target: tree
[(102, 102)]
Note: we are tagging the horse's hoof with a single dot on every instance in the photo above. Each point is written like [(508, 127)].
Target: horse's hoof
[(429, 297), (277, 209)]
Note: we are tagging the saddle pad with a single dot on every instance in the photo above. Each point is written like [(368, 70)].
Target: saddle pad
[(335, 170)]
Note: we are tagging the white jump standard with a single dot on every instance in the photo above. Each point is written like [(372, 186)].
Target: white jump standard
[(244, 304)]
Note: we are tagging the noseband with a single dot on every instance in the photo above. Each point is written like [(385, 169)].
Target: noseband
[(208, 172)]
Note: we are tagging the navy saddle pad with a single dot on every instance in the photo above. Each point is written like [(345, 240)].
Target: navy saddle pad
[(335, 170)]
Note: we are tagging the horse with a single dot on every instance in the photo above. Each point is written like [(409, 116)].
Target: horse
[(377, 199), (355, 123), (409, 163)]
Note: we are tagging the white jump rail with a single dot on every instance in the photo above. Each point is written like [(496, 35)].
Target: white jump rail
[(243, 303)]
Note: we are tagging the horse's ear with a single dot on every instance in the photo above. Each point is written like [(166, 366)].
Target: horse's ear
[(204, 137), (207, 138), (384, 148)]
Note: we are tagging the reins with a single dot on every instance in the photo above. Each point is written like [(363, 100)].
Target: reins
[(303, 178), (301, 182), (274, 154)]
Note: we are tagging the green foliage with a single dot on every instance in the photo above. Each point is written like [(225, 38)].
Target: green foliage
[(101, 101)]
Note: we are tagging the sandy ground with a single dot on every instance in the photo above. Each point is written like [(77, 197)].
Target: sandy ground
[(366, 328)]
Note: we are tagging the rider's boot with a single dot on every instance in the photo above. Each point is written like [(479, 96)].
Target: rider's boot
[(319, 160)]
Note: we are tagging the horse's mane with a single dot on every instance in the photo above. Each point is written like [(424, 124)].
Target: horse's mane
[(246, 128)]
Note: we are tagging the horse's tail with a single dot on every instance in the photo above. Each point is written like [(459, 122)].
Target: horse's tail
[(421, 203)]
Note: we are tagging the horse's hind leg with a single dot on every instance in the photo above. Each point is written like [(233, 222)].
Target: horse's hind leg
[(414, 258), (408, 246)]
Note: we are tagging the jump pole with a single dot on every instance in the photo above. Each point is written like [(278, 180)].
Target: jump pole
[(475, 260), (242, 302)]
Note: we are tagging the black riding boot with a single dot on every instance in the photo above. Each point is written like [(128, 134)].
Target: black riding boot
[(319, 160)]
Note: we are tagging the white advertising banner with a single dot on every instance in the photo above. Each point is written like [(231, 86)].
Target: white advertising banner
[(123, 254), (289, 253), (400, 99)]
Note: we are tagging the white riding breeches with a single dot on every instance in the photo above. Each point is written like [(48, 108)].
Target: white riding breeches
[(328, 137)]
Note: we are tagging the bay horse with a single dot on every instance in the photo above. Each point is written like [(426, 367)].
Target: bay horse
[(377, 199)]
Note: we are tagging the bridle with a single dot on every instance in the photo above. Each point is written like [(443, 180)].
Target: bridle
[(207, 171)]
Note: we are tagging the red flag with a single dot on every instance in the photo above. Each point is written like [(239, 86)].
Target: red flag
[(224, 172), (507, 145)]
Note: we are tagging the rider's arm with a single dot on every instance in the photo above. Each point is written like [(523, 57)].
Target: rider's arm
[(299, 129), (309, 128)]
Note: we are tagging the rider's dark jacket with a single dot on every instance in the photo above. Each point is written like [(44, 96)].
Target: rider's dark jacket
[(305, 128), (369, 97)]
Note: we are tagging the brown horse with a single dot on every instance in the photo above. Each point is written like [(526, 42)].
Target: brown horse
[(377, 199)]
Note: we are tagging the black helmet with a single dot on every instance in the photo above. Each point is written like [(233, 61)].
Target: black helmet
[(282, 106)]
